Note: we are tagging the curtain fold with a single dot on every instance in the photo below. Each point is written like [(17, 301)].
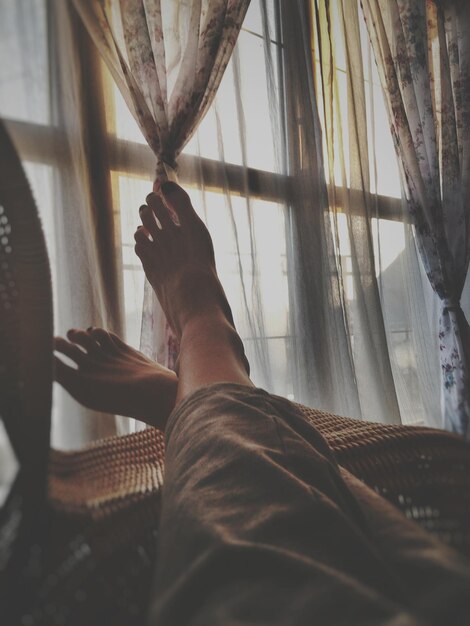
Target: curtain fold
[(337, 45), (168, 59), (423, 55), (324, 367), (48, 77)]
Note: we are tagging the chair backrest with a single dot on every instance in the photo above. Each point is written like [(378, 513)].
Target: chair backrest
[(26, 323)]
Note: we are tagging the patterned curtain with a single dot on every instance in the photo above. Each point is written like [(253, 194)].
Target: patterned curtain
[(423, 55), (168, 59)]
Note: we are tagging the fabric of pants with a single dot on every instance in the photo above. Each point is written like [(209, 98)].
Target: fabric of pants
[(260, 525)]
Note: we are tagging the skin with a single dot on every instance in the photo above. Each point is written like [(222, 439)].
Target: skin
[(177, 256), (110, 376)]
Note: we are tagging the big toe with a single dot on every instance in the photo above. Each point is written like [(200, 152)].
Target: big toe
[(177, 200), (109, 341)]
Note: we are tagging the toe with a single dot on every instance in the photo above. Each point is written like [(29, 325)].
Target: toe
[(72, 351), (70, 378), (149, 221), (177, 201), (160, 210), (106, 340), (143, 245), (84, 339), (117, 341)]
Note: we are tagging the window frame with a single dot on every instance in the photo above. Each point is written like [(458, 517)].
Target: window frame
[(40, 143)]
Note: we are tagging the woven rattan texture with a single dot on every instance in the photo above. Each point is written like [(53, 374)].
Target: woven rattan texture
[(423, 472), (108, 476), (96, 572), (25, 317)]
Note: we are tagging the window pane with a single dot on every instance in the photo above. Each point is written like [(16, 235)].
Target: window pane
[(383, 164), (381, 148), (245, 131), (239, 127), (253, 18), (251, 263), (251, 258), (24, 76)]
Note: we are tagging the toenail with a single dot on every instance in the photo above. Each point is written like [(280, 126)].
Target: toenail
[(169, 186), (90, 328)]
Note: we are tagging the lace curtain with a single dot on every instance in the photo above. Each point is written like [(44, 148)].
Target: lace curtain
[(168, 59), (423, 53)]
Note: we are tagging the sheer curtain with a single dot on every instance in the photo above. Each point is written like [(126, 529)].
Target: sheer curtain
[(269, 217), (370, 346), (168, 60), (255, 171), (423, 57), (47, 98), (318, 328), (230, 168)]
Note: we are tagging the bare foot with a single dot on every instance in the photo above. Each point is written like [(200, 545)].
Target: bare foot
[(177, 255), (114, 378)]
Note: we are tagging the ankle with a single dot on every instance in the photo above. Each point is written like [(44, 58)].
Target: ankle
[(212, 332), (199, 296), (202, 322)]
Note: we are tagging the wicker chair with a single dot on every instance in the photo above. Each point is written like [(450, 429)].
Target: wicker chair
[(98, 543)]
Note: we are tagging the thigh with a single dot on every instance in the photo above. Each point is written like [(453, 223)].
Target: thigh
[(257, 519)]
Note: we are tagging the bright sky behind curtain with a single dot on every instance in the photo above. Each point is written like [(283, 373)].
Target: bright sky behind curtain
[(237, 130)]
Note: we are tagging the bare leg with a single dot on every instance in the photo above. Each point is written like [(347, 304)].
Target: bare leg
[(113, 377), (178, 260)]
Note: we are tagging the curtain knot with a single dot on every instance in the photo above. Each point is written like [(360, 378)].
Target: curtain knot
[(166, 168)]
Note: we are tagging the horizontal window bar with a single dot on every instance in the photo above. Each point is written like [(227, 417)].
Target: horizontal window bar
[(138, 159), (45, 144)]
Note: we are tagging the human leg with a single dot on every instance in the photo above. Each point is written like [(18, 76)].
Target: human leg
[(258, 525), (179, 263)]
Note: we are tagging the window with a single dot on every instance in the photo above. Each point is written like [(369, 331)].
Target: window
[(237, 132), (391, 235)]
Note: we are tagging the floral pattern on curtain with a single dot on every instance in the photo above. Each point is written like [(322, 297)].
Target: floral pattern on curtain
[(422, 50), (168, 59)]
